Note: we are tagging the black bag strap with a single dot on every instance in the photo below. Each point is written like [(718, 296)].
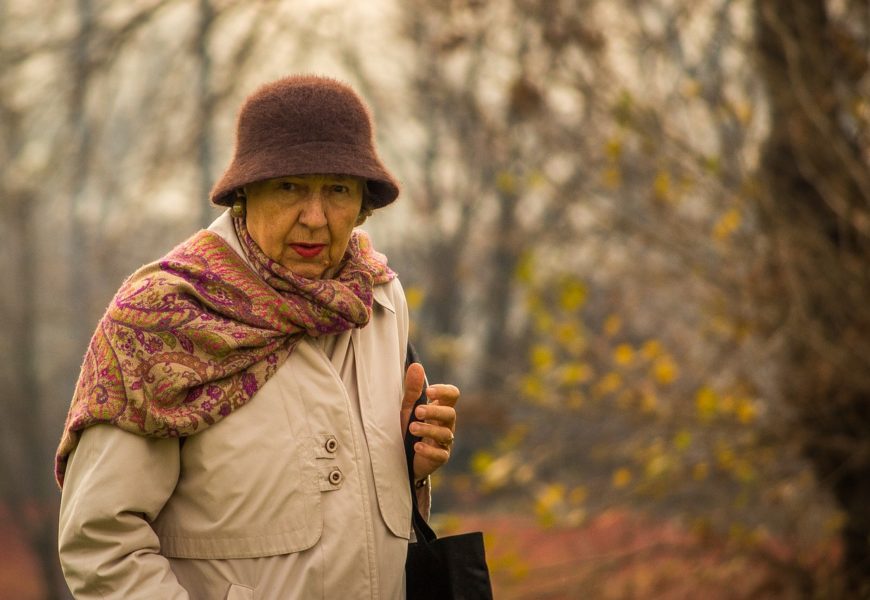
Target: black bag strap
[(422, 530)]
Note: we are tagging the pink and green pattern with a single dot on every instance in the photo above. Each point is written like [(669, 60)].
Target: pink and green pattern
[(192, 337)]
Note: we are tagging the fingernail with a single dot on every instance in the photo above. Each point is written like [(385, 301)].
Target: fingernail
[(420, 412)]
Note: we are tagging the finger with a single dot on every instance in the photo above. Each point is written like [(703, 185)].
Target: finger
[(441, 436), (431, 453), (438, 415), (442, 393), (415, 378)]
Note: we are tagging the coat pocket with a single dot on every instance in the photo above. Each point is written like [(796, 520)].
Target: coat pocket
[(249, 485)]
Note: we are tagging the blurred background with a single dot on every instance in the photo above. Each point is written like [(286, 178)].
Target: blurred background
[(634, 232)]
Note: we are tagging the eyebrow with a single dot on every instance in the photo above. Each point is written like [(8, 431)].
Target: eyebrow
[(342, 178)]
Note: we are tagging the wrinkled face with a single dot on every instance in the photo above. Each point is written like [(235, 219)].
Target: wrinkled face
[(304, 222)]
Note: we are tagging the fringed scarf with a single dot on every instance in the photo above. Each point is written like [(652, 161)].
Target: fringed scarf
[(192, 337)]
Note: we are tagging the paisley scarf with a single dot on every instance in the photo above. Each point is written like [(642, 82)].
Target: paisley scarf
[(192, 337)]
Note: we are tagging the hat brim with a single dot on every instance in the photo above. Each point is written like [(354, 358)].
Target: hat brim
[(313, 158)]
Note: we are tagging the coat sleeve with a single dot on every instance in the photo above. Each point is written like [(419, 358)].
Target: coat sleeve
[(116, 483)]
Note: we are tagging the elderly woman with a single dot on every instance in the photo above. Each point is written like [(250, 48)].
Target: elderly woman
[(237, 428)]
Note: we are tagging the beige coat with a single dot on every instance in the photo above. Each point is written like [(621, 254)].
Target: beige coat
[(302, 493)]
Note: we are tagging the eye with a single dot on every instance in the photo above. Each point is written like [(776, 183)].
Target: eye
[(339, 188), (287, 186)]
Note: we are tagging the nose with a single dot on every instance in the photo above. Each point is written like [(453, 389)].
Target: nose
[(313, 214)]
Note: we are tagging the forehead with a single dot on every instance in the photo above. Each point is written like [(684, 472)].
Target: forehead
[(322, 177)]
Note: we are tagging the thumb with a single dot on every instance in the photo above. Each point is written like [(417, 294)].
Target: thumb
[(414, 381)]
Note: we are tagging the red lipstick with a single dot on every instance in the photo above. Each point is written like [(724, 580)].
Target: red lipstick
[(308, 250)]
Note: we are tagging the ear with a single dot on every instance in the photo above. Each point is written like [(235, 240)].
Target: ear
[(364, 213)]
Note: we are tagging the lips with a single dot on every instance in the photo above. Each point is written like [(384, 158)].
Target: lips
[(308, 250)]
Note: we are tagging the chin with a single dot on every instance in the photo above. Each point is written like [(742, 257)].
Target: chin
[(306, 271)]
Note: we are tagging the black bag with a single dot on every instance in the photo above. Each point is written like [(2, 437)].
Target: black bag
[(445, 568)]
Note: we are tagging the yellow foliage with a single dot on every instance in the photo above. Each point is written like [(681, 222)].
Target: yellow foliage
[(544, 322), (608, 384), (713, 164), (744, 471), (546, 500), (649, 402), (682, 440), (742, 535), (662, 186), (542, 357), (746, 411), (706, 403), (575, 373), (481, 461), (525, 270), (721, 326), (612, 177), (570, 336), (499, 472), (550, 495), (414, 295), (576, 517), (656, 466), (572, 295), (532, 387), (621, 478), (612, 325), (613, 149), (651, 349), (727, 224), (623, 355), (505, 182), (744, 112), (537, 179), (664, 370), (725, 457), (509, 563), (690, 88), (514, 437)]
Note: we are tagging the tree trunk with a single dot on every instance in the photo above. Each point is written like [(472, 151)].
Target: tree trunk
[(499, 353), (814, 207)]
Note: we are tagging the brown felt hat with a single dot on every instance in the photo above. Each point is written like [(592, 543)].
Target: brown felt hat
[(305, 125)]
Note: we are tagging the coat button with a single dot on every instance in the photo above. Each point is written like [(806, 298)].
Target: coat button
[(335, 476), (331, 445)]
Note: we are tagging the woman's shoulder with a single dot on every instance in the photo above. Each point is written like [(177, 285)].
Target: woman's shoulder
[(390, 295)]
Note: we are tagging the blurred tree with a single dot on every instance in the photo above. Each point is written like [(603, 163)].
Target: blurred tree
[(500, 115), (814, 58), (624, 163), (103, 104)]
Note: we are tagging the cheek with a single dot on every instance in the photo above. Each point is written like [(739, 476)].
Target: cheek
[(341, 230), (268, 231)]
